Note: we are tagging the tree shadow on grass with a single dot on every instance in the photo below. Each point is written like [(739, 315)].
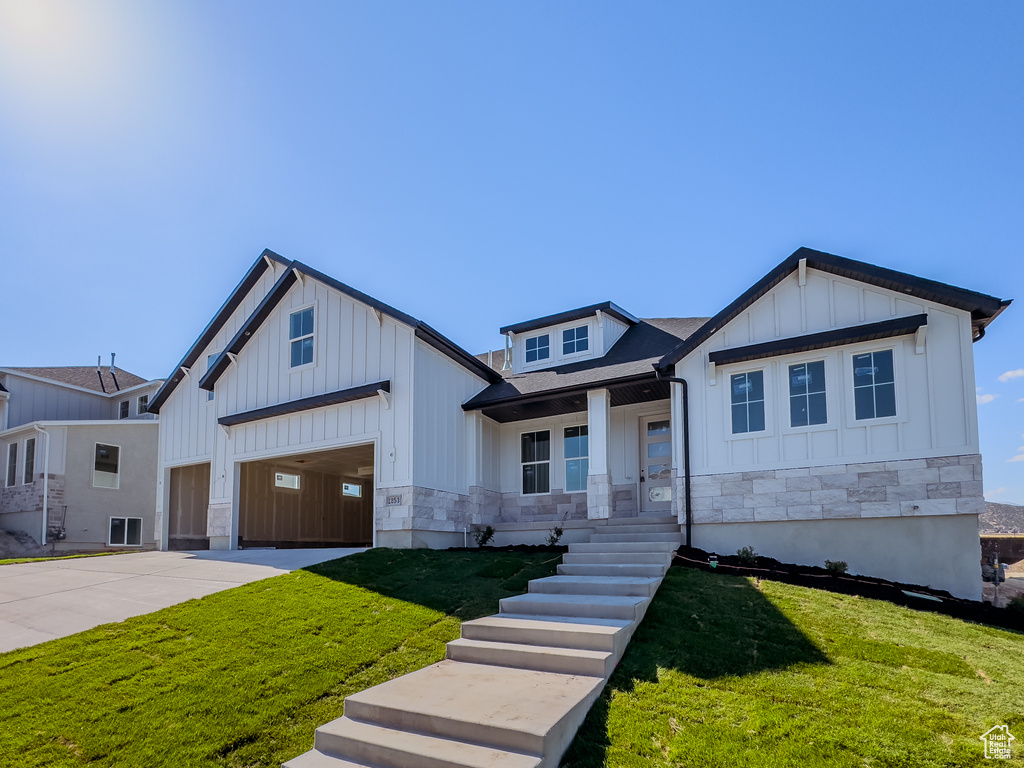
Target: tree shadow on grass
[(706, 626)]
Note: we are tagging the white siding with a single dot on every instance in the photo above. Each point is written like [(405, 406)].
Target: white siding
[(936, 414)]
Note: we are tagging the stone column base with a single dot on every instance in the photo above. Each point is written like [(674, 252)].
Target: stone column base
[(599, 497)]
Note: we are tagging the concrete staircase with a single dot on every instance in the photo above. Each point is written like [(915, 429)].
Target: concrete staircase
[(516, 686)]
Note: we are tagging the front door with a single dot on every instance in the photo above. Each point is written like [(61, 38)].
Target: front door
[(655, 464)]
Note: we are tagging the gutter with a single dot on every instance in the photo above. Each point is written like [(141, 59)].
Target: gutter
[(46, 485), (686, 452)]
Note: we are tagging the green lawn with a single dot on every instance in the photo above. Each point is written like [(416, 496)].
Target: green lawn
[(44, 558), (728, 672), (244, 677)]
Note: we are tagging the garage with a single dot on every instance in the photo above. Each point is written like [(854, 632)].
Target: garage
[(188, 504), (321, 499)]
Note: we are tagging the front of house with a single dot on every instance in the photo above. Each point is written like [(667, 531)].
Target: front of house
[(828, 412)]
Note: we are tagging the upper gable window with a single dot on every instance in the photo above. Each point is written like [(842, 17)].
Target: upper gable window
[(538, 348), (575, 340), (874, 385), (807, 394), (300, 334), (747, 402)]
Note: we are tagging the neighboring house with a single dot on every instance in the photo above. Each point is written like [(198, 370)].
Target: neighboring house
[(79, 456), (829, 412), (1002, 534)]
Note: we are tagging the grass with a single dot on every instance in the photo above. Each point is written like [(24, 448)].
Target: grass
[(45, 558), (726, 671), (244, 677)]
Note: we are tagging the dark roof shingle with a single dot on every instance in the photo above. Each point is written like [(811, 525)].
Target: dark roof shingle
[(86, 377)]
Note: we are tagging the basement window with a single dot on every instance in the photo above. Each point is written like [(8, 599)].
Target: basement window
[(106, 470), (122, 409), (352, 489), (536, 460), (125, 532), (300, 334), (287, 480)]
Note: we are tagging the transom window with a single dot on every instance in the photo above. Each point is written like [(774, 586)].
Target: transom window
[(874, 385), (538, 348), (575, 340), (106, 469), (536, 459), (126, 531), (30, 460), (747, 402), (12, 464), (577, 464), (300, 333), (122, 409), (807, 394)]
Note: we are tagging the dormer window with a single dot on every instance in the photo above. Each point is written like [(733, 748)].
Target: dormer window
[(300, 335), (538, 348), (575, 340)]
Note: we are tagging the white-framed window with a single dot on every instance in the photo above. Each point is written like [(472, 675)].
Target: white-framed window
[(287, 480), (874, 385), (106, 469), (28, 475), (747, 398), (807, 405), (538, 348), (300, 337), (209, 365), (575, 340), (535, 453), (122, 409), (12, 464), (125, 532), (142, 404), (577, 463), (352, 489)]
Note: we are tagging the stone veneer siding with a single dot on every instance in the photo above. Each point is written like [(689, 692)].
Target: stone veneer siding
[(29, 498), (948, 485), (432, 510)]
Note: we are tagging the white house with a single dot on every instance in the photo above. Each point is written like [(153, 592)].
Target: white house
[(829, 412)]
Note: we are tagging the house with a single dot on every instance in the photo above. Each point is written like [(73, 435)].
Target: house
[(79, 451), (1002, 535), (828, 412)]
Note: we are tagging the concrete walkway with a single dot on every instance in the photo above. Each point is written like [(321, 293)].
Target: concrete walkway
[(45, 600)]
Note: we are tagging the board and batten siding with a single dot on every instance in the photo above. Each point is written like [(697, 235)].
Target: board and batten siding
[(31, 400), (936, 411)]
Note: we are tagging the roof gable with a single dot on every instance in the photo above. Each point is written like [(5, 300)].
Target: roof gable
[(102, 381), (573, 314)]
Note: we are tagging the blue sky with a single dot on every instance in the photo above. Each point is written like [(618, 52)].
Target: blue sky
[(475, 164)]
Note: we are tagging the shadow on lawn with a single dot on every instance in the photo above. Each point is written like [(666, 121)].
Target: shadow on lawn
[(707, 626)]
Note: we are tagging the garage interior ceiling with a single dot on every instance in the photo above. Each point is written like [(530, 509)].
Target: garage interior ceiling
[(345, 462)]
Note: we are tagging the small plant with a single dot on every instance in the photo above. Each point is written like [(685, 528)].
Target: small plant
[(483, 536), (746, 555), (555, 535), (836, 567)]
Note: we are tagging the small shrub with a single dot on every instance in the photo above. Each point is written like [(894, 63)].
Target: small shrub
[(836, 566), (746, 555), (1016, 604), (483, 536), (555, 535)]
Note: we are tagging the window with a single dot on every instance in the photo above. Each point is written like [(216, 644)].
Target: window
[(807, 394), (209, 365), (30, 460), (576, 462), (575, 340), (874, 385), (126, 531), (300, 332), (536, 457), (351, 489), (106, 471), (287, 480), (747, 402), (538, 348), (12, 464), (122, 409), (142, 405)]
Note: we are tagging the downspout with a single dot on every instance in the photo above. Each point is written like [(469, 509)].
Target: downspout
[(686, 453), (46, 484)]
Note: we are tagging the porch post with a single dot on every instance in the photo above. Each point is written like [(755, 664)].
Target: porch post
[(599, 479)]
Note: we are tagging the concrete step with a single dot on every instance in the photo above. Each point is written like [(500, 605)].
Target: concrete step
[(316, 759), (675, 537), (625, 586), (672, 527), (359, 743), (623, 546), (623, 569), (518, 710), (617, 558), (552, 631), (564, 661), (583, 606)]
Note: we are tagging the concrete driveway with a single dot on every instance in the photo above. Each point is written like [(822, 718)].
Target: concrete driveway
[(45, 600)]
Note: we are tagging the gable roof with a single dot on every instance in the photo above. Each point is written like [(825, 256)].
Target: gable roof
[(568, 316), (983, 308), (85, 377)]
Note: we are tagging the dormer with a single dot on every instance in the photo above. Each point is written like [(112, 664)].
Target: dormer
[(568, 337)]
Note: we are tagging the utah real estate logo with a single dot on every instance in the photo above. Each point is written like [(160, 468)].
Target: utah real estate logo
[(997, 743)]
